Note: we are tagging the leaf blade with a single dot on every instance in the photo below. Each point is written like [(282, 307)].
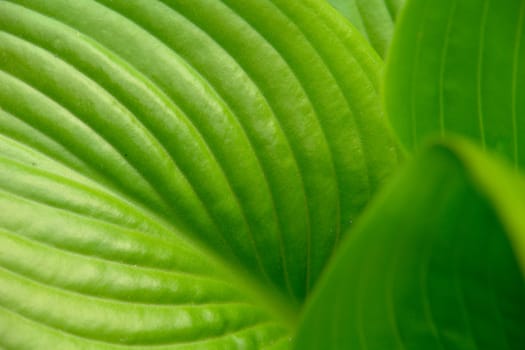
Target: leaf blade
[(434, 242), (139, 137), (455, 68)]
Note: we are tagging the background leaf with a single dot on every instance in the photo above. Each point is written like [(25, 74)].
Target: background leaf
[(433, 264), (147, 143), (375, 19), (458, 67)]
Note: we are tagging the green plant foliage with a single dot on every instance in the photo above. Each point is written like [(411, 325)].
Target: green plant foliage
[(196, 174), (177, 173), (434, 263), (375, 19), (459, 67)]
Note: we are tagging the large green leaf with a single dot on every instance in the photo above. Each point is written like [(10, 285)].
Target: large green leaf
[(177, 173), (434, 263), (375, 19), (459, 67)]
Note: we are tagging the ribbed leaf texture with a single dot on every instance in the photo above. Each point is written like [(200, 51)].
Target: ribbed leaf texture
[(175, 174)]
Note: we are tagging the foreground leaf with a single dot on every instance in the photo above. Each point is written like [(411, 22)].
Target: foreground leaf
[(84, 269), (459, 67), (176, 173), (375, 19), (434, 263)]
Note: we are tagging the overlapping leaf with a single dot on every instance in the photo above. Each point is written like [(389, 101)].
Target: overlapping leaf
[(434, 264), (458, 67), (171, 169)]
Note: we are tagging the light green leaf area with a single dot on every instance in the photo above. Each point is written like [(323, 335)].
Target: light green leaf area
[(375, 19), (458, 67), (434, 264), (175, 174)]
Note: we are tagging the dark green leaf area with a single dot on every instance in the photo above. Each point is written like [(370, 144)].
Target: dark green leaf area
[(458, 67), (430, 266)]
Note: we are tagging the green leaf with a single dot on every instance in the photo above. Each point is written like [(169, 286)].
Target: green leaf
[(375, 19), (433, 264), (177, 173), (458, 67)]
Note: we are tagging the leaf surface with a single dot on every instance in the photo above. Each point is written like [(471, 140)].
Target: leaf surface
[(375, 19), (433, 264), (176, 173), (458, 67)]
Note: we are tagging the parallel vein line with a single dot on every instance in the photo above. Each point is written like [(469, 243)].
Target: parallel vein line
[(209, 35), (54, 329), (314, 108), (201, 77), (125, 110), (480, 71), (229, 334), (108, 184), (389, 292), (515, 66), (341, 32), (414, 74), (318, 119), (78, 294), (95, 220), (80, 120), (161, 196), (346, 97), (442, 66), (157, 91), (144, 232), (61, 331), (59, 160), (98, 259), (85, 187)]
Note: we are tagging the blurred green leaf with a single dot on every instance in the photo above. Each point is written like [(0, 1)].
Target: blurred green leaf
[(459, 67), (434, 263)]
